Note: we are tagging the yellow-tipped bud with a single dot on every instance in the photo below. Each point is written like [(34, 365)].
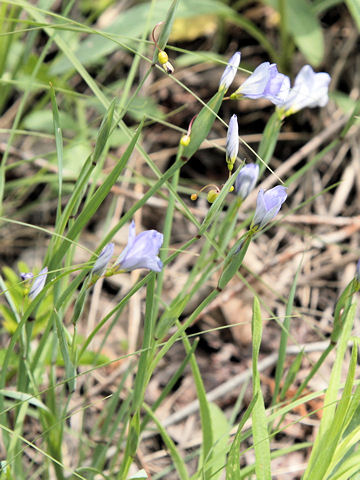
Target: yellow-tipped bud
[(194, 197), (231, 189), (212, 195), (185, 140), (162, 57)]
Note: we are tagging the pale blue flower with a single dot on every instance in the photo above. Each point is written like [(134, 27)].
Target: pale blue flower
[(141, 251), (232, 142), (246, 180), (268, 205), (27, 276), (103, 259), (230, 72), (265, 82), (38, 284), (310, 90), (357, 273)]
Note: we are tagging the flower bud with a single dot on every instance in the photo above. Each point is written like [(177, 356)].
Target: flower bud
[(232, 142), (230, 72), (162, 57), (185, 140), (246, 180), (212, 196)]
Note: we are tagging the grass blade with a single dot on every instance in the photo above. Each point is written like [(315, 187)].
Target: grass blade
[(259, 420)]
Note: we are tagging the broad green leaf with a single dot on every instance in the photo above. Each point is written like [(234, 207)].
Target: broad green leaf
[(42, 121), (305, 28)]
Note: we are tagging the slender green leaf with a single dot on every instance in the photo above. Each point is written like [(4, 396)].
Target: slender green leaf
[(95, 201), (59, 147), (354, 8), (70, 371), (259, 420), (233, 463), (203, 123)]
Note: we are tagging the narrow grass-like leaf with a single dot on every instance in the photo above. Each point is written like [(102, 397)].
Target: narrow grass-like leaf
[(354, 8), (318, 463), (148, 340), (24, 397), (59, 147), (290, 377), (233, 261), (170, 385), (202, 124), (176, 457), (70, 370), (96, 200), (285, 330), (206, 421), (104, 132), (269, 140), (259, 420), (233, 462), (166, 28), (215, 207), (220, 430), (330, 442)]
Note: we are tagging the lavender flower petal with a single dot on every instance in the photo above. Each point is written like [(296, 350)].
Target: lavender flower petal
[(230, 72), (141, 251), (310, 90), (246, 180), (103, 259), (26, 276), (265, 82), (268, 205), (38, 284), (357, 273)]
